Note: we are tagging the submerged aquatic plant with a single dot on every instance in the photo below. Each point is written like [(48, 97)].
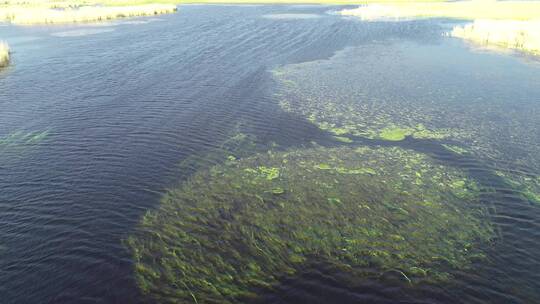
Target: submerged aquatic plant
[(20, 138), (456, 149), (345, 112), (351, 97), (394, 134), (527, 186), (237, 145), (243, 226)]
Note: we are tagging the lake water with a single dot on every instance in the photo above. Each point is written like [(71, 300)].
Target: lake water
[(97, 122)]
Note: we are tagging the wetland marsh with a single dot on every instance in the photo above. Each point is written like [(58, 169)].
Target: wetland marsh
[(267, 154)]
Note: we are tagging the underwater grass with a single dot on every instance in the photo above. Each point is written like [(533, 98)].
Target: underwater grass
[(21, 138), (519, 35), (413, 105), (4, 54), (237, 228), (527, 186), (301, 93)]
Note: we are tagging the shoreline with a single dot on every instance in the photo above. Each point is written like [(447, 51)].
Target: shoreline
[(523, 36), (82, 14), (36, 12), (4, 54), (509, 24)]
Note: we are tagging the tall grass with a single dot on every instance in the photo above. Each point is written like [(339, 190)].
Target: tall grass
[(520, 35), (44, 15), (510, 24), (478, 9), (352, 2), (69, 11), (78, 3), (4, 54)]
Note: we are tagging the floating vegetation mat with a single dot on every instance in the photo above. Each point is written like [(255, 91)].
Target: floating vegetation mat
[(394, 90), (332, 94), (243, 226), (528, 186)]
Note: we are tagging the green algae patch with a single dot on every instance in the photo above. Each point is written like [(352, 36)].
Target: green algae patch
[(394, 134), (345, 110), (349, 93), (343, 139), (527, 186), (456, 149), (237, 228)]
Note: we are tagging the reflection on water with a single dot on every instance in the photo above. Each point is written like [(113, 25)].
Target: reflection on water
[(295, 110)]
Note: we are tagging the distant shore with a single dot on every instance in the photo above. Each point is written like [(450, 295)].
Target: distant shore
[(476, 9), (508, 24), (71, 12), (31, 12), (519, 35)]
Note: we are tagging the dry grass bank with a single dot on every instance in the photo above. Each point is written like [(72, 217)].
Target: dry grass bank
[(4, 54), (502, 10), (337, 2), (520, 35), (510, 24), (37, 14), (79, 3), (69, 11)]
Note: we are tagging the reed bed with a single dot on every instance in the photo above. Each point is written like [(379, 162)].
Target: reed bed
[(47, 15), (509, 24), (29, 12), (78, 3), (478, 9), (338, 2), (4, 54), (519, 35)]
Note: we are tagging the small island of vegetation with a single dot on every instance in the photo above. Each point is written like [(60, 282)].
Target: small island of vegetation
[(4, 54)]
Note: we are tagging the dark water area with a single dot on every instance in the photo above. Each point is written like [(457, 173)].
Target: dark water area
[(96, 119)]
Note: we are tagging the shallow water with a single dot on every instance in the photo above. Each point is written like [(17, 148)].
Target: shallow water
[(112, 115)]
